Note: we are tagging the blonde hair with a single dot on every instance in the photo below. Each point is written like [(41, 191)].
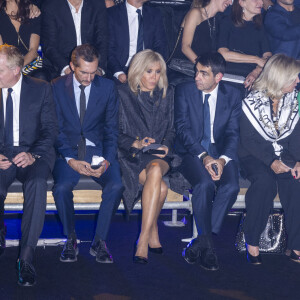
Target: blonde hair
[(13, 55), (279, 71), (140, 63)]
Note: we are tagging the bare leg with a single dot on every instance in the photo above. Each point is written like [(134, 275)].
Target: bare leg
[(253, 250), (151, 177)]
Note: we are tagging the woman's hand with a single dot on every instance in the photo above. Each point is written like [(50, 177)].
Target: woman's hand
[(296, 171), (140, 144), (164, 148), (279, 167), (34, 11), (252, 77)]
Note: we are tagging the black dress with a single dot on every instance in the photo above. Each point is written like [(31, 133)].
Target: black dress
[(10, 36), (140, 116)]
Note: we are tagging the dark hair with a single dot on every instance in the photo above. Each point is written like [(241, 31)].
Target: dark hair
[(200, 3), (237, 15), (23, 12), (87, 52), (214, 60)]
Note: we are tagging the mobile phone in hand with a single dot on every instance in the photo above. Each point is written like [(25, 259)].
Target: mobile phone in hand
[(215, 169)]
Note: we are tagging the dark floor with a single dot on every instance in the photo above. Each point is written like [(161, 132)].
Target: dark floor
[(166, 276)]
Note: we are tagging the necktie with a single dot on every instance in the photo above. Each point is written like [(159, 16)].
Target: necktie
[(81, 144), (206, 122), (8, 128), (140, 39)]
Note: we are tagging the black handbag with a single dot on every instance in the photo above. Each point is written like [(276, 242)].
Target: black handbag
[(272, 239)]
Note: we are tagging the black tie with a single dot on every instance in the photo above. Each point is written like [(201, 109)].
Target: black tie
[(206, 122), (81, 144), (9, 131), (140, 39)]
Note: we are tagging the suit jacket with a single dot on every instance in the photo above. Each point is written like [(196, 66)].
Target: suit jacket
[(189, 121), (38, 123), (100, 124), (59, 35), (118, 47)]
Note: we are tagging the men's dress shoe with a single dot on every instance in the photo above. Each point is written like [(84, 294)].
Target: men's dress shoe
[(294, 257), (255, 260), (158, 250), (192, 252), (70, 251), (26, 273), (100, 250), (2, 239), (140, 260), (209, 260)]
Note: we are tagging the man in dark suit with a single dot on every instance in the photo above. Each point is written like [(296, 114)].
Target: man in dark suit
[(67, 24), (133, 27), (28, 129), (207, 127), (87, 110)]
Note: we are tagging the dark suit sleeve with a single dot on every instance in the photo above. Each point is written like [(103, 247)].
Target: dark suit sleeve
[(170, 134), (232, 129), (48, 125), (101, 34), (110, 136), (254, 143), (182, 123), (62, 143), (49, 39)]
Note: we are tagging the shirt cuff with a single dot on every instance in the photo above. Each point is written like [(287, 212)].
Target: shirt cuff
[(68, 158), (201, 154), (118, 73), (62, 73), (227, 159)]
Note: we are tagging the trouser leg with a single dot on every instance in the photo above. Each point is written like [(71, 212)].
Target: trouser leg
[(65, 179), (111, 183), (259, 198)]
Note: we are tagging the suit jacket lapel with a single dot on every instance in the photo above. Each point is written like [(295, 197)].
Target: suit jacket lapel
[(68, 16), (146, 20), (1, 119), (221, 107), (93, 99), (70, 99), (124, 21), (85, 15)]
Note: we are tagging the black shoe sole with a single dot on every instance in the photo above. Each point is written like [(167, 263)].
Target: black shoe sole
[(26, 284), (70, 260), (94, 253), (208, 269)]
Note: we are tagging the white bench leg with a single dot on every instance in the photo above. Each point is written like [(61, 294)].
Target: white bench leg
[(174, 222), (195, 233)]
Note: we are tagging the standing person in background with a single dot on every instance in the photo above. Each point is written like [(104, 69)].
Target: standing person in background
[(70, 23), (133, 26)]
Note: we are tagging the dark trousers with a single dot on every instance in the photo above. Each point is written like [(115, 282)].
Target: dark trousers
[(34, 180), (259, 201), (65, 179), (211, 200)]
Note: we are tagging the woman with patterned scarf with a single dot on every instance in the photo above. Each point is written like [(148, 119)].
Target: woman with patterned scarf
[(269, 152)]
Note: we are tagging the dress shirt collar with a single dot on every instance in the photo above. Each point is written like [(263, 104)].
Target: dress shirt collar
[(132, 9), (73, 9), (213, 94), (16, 88)]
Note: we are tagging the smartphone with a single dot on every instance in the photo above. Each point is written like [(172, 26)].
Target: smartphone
[(155, 151), (215, 168)]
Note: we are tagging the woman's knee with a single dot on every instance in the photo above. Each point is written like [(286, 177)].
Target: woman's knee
[(154, 170), (163, 188)]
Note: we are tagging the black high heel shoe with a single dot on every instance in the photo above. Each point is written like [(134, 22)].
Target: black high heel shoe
[(254, 260), (158, 250), (139, 259)]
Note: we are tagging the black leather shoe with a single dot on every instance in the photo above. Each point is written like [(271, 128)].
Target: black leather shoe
[(158, 250), (70, 251), (294, 257), (26, 273), (255, 260), (140, 260), (209, 260), (192, 252), (100, 250), (2, 239)]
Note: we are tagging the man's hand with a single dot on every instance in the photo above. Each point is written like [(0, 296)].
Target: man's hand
[(23, 160), (209, 161), (140, 144), (122, 78), (164, 148), (82, 167), (4, 162), (101, 170), (296, 171), (34, 11), (279, 167)]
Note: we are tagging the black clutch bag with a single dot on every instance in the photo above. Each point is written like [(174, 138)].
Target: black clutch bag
[(272, 239)]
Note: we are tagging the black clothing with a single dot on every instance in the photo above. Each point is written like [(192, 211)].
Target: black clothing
[(246, 39), (141, 116), (9, 34)]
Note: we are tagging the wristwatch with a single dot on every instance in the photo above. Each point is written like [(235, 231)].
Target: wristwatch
[(35, 156), (204, 154)]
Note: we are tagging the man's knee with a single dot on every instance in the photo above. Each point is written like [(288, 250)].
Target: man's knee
[(60, 189), (204, 186)]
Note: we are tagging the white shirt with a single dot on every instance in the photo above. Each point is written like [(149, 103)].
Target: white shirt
[(212, 100), (15, 95), (133, 23), (77, 22)]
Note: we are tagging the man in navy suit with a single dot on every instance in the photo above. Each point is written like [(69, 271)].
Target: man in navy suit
[(133, 27), (207, 127), (28, 129), (70, 23), (87, 111)]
